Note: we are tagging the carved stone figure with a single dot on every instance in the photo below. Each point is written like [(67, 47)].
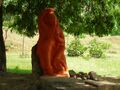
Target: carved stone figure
[(51, 45)]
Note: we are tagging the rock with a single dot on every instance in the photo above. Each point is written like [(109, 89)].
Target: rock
[(83, 76), (60, 83), (93, 75), (36, 69), (72, 73)]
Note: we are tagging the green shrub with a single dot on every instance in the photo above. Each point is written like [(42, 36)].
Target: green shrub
[(76, 48), (97, 49)]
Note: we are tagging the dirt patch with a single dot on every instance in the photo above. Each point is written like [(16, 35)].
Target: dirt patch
[(10, 81)]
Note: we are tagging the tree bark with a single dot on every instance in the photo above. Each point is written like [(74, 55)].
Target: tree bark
[(2, 45)]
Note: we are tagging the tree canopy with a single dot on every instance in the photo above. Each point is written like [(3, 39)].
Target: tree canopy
[(99, 17)]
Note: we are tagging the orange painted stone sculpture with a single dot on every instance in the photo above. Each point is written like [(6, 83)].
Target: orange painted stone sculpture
[(51, 45)]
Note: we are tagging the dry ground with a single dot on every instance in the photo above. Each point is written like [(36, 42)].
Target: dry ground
[(10, 81), (14, 42)]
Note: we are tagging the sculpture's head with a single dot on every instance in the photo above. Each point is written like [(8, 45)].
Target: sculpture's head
[(48, 11), (48, 18)]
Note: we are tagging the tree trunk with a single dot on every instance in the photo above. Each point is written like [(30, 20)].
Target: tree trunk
[(2, 45), (23, 46)]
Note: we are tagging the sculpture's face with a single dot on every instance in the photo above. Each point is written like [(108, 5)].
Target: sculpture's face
[(49, 11), (49, 18)]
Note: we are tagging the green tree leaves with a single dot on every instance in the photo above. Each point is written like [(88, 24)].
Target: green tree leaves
[(99, 17)]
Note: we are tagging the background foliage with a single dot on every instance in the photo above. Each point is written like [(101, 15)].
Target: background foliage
[(75, 48), (94, 49), (100, 17)]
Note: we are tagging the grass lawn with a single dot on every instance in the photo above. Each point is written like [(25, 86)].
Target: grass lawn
[(18, 64), (104, 66), (109, 66)]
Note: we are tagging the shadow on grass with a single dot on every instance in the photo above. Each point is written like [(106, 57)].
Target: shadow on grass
[(19, 71)]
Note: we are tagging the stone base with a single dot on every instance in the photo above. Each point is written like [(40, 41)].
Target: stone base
[(28, 82), (55, 83)]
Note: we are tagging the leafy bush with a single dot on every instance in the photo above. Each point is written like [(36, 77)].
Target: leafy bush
[(76, 48), (97, 49)]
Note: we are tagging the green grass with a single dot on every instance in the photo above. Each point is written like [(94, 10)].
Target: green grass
[(104, 66), (18, 64), (19, 71)]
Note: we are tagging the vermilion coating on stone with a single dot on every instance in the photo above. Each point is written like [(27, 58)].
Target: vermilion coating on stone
[(51, 45)]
